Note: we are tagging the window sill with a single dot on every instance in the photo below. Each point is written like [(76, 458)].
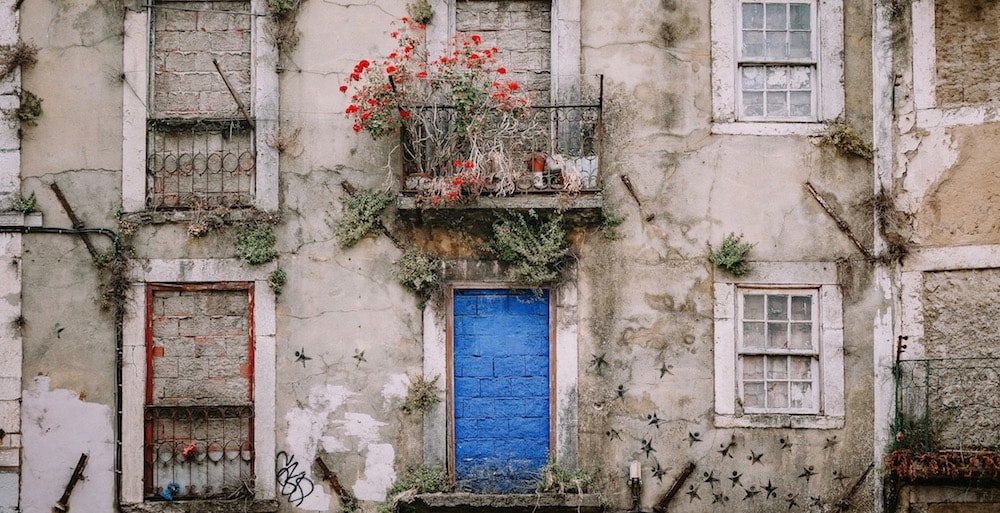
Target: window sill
[(779, 421), (579, 209), (505, 503), (206, 506), (766, 128)]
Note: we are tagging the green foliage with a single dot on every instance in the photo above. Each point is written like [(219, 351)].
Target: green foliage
[(281, 8), (419, 272), (361, 215), (421, 396), (255, 244), (276, 280), (556, 479), (842, 136), (732, 255), (24, 205), (535, 246), (420, 11), (610, 221), (13, 56), (30, 108), (419, 479)]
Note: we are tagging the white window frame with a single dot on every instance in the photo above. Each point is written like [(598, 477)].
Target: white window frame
[(821, 278), (828, 88)]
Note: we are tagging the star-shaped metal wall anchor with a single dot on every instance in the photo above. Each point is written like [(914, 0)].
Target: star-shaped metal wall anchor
[(719, 498), (807, 472), (599, 363), (692, 493), (771, 490), (727, 448), (693, 437), (710, 478), (839, 477), (815, 502), (791, 501), (751, 492), (647, 447), (654, 420), (785, 444), (620, 392), (755, 457), (666, 369), (300, 356), (735, 478), (658, 472), (831, 442), (359, 356), (613, 433)]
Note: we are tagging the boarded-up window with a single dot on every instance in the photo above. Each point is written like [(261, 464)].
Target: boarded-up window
[(968, 51), (199, 396)]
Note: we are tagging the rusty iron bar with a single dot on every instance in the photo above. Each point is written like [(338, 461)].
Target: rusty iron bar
[(661, 505), (631, 190), (841, 224), (845, 502), (347, 498), (351, 190), (77, 224), (62, 506), (232, 92)]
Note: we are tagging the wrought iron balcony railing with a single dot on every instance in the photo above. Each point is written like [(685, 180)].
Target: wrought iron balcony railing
[(198, 452)]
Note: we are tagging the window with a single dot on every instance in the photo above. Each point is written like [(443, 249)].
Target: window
[(776, 64), (779, 348)]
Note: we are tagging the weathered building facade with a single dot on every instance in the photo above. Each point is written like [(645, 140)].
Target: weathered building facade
[(194, 298)]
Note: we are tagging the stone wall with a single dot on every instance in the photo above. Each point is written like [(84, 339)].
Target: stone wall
[(968, 67), (522, 29)]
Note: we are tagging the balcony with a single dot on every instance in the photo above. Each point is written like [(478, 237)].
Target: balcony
[(547, 159), (947, 419)]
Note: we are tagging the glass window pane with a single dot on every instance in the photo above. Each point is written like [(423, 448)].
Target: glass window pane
[(777, 77), (776, 367), (799, 45), (774, 17), (777, 47), (777, 335), (753, 16), (799, 77), (800, 367), (800, 103), (801, 308), (753, 306), (753, 335), (802, 395), (801, 336), (798, 17), (753, 43), (777, 307), (753, 367), (753, 395), (776, 105), (777, 395), (753, 104)]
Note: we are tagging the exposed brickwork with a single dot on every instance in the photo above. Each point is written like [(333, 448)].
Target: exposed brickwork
[(200, 347), (185, 42), (522, 29), (968, 62)]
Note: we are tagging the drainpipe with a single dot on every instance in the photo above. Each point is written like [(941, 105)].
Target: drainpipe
[(119, 315)]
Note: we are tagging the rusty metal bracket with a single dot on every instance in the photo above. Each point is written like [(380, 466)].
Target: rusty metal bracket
[(841, 224), (844, 503), (232, 92), (661, 505), (77, 224), (631, 191), (347, 498), (63, 505)]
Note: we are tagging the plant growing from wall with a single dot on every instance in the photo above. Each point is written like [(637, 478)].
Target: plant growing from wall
[(362, 211), (277, 279), (416, 479), (842, 136), (418, 271), (16, 55), (29, 109), (611, 220), (420, 11), (255, 243), (284, 32), (24, 205), (731, 256), (421, 395), (535, 246), (557, 479)]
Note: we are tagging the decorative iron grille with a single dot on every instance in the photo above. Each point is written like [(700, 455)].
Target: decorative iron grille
[(200, 164), (199, 452), (543, 147), (949, 404)]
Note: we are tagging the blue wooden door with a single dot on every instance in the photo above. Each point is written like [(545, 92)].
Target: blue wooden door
[(501, 388)]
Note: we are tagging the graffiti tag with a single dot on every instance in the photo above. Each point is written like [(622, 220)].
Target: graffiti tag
[(292, 484)]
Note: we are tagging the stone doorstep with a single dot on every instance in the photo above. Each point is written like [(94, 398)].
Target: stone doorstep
[(206, 506), (502, 503)]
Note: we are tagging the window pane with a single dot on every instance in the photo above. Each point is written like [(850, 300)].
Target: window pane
[(776, 45), (798, 17), (777, 307), (799, 45), (776, 368), (777, 395), (799, 77), (753, 395), (753, 104), (753, 43), (753, 16), (753, 367), (753, 306), (777, 335), (802, 395), (801, 308), (776, 105), (800, 367), (753, 334), (774, 17), (801, 337), (777, 77)]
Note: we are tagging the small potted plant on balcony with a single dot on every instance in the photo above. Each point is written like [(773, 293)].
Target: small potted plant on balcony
[(464, 126)]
